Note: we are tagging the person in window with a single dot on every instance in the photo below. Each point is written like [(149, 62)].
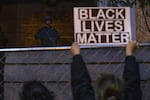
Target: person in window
[(47, 34), (108, 86)]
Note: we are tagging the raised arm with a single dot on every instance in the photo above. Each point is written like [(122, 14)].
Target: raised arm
[(80, 79), (131, 74)]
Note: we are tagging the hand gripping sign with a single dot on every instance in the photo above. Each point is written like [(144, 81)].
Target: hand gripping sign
[(102, 25)]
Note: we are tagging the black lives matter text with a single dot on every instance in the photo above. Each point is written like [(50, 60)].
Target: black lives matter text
[(102, 25)]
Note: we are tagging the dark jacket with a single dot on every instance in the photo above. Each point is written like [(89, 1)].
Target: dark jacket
[(81, 81), (47, 36), (131, 76)]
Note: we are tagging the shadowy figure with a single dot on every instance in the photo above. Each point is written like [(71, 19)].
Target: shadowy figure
[(47, 34)]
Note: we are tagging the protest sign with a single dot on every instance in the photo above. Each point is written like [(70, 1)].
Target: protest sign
[(102, 25)]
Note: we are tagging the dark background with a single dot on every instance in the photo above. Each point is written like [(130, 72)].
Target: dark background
[(20, 20)]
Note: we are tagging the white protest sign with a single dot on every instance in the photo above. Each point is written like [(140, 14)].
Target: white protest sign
[(102, 25)]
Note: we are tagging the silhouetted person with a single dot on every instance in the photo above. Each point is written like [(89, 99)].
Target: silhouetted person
[(47, 34)]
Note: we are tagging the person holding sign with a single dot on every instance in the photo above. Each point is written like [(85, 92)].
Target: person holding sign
[(109, 87)]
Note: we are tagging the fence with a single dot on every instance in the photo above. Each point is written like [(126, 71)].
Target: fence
[(2, 61), (53, 69)]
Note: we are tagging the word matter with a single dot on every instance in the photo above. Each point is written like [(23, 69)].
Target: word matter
[(114, 37)]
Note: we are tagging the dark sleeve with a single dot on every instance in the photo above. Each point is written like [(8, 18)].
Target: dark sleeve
[(131, 76), (80, 80)]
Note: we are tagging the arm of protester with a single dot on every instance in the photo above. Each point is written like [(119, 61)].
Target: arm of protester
[(80, 78), (131, 74)]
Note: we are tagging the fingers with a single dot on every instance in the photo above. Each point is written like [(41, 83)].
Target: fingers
[(74, 44), (134, 43), (75, 49), (131, 47)]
